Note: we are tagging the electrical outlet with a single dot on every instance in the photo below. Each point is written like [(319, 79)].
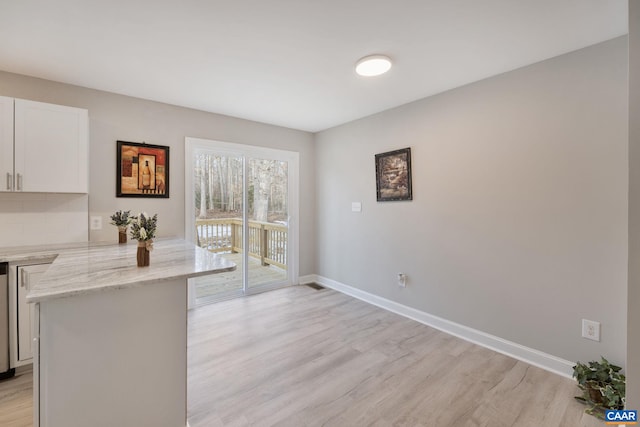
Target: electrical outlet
[(590, 330), (96, 223), (402, 280)]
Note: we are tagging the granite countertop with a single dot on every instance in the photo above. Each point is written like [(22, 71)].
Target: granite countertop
[(45, 253), (95, 267)]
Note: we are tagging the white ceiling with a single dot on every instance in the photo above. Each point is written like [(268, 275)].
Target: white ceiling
[(290, 62)]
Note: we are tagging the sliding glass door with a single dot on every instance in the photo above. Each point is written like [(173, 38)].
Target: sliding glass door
[(241, 204), (268, 220), (217, 211)]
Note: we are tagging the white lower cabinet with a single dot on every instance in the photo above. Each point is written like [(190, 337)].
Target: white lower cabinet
[(36, 366), (21, 314), (26, 312), (24, 323)]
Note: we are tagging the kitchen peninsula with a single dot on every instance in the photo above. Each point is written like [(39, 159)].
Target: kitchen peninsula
[(112, 340)]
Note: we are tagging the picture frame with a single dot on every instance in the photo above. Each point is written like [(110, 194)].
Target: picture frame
[(393, 175), (142, 170)]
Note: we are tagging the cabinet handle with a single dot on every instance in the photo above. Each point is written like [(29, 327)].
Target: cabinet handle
[(9, 181), (19, 181), (23, 279)]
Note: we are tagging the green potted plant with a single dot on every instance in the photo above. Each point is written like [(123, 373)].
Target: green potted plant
[(602, 385), (143, 229), (122, 219)]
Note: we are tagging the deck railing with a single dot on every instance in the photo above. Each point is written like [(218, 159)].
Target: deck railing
[(267, 240)]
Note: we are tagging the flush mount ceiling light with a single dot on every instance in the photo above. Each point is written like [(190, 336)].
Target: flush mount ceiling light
[(373, 65)]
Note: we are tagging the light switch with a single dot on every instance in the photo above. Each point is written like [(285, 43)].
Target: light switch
[(356, 207)]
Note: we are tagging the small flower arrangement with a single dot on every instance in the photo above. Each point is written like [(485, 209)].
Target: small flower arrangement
[(143, 227), (121, 218)]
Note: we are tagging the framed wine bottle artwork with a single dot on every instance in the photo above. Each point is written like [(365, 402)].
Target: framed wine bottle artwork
[(142, 170)]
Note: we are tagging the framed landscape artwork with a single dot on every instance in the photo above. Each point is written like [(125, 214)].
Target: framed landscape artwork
[(142, 170), (393, 175)]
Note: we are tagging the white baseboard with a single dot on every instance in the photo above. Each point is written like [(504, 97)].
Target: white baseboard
[(529, 355), (309, 278)]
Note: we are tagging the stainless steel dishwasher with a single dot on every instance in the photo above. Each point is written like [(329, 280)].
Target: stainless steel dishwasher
[(5, 372)]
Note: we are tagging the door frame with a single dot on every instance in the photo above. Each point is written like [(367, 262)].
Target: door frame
[(247, 151)]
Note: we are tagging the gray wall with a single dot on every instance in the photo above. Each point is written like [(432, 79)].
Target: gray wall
[(115, 117), (519, 221), (518, 226), (633, 323)]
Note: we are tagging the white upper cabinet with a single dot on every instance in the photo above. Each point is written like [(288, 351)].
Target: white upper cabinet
[(6, 143), (50, 148)]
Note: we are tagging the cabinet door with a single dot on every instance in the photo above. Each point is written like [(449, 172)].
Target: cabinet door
[(6, 143), (36, 366), (51, 148), (26, 312)]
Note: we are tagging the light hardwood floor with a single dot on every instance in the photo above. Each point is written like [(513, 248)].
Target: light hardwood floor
[(16, 400), (302, 357)]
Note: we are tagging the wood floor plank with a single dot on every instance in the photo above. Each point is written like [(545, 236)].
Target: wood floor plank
[(302, 357), (16, 400)]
